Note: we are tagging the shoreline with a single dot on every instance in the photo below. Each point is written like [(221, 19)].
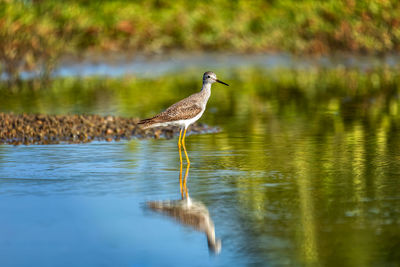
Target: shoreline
[(40, 129)]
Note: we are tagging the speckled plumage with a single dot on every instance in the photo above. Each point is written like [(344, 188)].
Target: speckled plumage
[(186, 111)]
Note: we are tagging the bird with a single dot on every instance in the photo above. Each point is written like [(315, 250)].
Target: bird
[(182, 114)]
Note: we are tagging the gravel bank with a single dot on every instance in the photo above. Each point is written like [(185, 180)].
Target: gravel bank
[(52, 129)]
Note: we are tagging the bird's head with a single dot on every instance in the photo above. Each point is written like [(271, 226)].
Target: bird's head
[(210, 77)]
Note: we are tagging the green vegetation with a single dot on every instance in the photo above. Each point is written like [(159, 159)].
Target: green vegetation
[(36, 32), (310, 157), (306, 92)]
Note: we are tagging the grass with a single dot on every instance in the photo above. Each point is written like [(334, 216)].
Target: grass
[(36, 33)]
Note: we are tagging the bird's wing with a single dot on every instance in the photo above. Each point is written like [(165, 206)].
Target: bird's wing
[(185, 109), (180, 111)]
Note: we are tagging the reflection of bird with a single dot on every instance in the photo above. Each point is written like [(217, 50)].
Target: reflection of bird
[(192, 213), (184, 113)]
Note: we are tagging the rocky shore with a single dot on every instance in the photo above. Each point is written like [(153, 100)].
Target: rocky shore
[(52, 129)]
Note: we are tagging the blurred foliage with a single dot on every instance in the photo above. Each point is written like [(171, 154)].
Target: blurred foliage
[(375, 93), (35, 33), (28, 40)]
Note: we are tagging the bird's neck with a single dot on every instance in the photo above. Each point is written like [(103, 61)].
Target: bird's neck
[(206, 90)]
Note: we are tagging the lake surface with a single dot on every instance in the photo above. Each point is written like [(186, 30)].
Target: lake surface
[(292, 179)]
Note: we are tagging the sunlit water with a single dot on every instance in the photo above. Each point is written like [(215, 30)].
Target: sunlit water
[(116, 65), (307, 187)]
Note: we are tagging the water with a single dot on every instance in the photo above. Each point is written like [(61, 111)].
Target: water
[(288, 181), (116, 65)]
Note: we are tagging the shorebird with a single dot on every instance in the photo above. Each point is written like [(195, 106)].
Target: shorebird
[(182, 114)]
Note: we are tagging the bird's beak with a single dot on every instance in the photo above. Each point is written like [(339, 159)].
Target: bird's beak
[(221, 82)]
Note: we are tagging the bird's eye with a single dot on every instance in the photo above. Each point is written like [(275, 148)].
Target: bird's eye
[(208, 76)]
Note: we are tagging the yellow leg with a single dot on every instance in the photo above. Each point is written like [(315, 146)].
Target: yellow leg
[(180, 159), (188, 163)]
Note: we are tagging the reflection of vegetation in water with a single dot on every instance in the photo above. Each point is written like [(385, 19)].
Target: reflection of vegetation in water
[(315, 151), (326, 100), (329, 195), (349, 94)]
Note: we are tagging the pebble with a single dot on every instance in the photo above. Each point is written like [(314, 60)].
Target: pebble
[(27, 129)]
